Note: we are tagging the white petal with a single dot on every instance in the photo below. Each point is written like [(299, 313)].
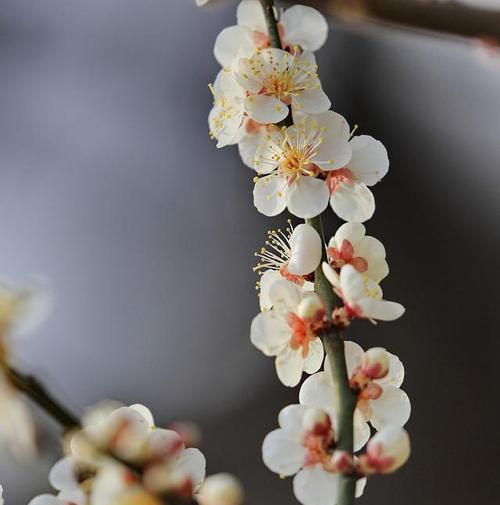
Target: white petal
[(232, 42), (308, 198), (392, 408), (145, 413), (352, 285), (360, 487), (268, 278), (269, 195), (335, 147), (305, 26), (283, 454), (246, 77), (285, 295), (289, 366), (266, 109), (353, 232), (369, 161), (248, 146), (306, 250), (192, 462), (361, 430), (353, 354), (353, 202), (291, 419), (314, 486), (396, 374), (269, 334), (331, 275), (250, 14), (62, 475), (380, 310), (317, 391), (46, 499), (314, 358), (311, 101)]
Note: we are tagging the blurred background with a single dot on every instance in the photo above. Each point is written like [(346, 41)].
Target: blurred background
[(111, 187)]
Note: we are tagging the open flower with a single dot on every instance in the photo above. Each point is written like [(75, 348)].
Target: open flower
[(299, 26), (362, 297), (303, 446), (294, 161), (290, 255), (273, 79), (290, 331), (380, 401), (351, 246), (351, 198)]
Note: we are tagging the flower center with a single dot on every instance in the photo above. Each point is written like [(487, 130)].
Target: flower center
[(304, 330), (345, 255), (319, 444)]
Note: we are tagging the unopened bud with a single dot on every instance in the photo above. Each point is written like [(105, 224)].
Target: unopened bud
[(388, 450), (315, 418), (310, 307), (221, 489), (375, 363)]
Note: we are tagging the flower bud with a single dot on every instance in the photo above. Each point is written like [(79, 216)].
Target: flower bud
[(314, 419), (221, 489), (310, 307), (388, 450), (305, 250), (375, 363)]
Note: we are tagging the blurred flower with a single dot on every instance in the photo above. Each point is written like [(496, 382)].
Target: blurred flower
[(189, 432), (290, 255), (362, 297), (1, 495), (387, 451), (272, 79), (221, 489), (303, 446), (351, 246), (293, 159), (299, 26), (380, 401), (23, 307), (290, 331), (351, 199)]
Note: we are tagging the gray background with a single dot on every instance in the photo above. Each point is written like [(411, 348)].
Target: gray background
[(111, 187)]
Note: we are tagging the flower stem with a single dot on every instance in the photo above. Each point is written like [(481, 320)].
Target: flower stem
[(332, 339), (34, 390)]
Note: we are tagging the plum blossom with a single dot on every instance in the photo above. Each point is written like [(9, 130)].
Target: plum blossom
[(289, 331), (299, 26), (350, 245), (129, 433), (221, 489), (294, 163), (273, 79), (362, 297), (351, 198), (290, 255), (303, 446), (381, 402), (387, 451)]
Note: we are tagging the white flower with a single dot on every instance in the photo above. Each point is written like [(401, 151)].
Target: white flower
[(366, 254), (351, 199), (273, 79), (226, 119), (382, 404), (289, 331), (388, 450), (221, 489), (303, 446), (299, 26), (291, 256), (1, 495), (362, 297), (295, 161)]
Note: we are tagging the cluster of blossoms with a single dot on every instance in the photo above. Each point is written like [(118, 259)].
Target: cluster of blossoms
[(269, 101)]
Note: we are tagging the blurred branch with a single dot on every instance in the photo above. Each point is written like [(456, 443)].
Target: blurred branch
[(448, 18)]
